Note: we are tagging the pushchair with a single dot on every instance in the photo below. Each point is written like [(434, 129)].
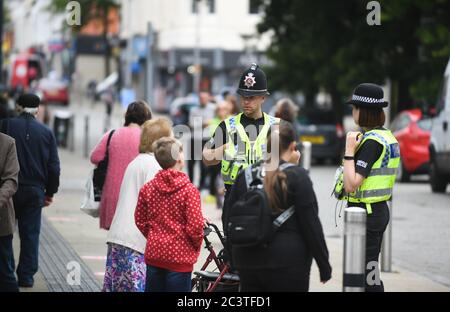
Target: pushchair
[(220, 279)]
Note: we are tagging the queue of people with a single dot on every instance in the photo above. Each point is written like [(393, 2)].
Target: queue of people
[(152, 209)]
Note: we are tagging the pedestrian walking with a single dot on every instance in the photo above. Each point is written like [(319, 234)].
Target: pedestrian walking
[(287, 110), (9, 181), (240, 140), (216, 186), (370, 163), (232, 102), (284, 263), (108, 98), (123, 148), (38, 180), (125, 263), (200, 118), (169, 214)]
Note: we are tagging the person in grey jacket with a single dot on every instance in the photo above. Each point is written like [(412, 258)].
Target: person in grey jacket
[(9, 175)]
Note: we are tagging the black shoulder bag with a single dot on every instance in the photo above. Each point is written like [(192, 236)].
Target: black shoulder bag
[(99, 175)]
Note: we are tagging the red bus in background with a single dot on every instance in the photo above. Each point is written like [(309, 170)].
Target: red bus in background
[(25, 68)]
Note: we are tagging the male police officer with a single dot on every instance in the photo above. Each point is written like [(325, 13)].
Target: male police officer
[(240, 140), (38, 180)]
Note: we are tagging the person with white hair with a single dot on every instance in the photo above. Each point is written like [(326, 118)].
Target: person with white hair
[(38, 180)]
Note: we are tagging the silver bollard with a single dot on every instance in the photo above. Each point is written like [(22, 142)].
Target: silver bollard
[(386, 246), (354, 250), (72, 134), (306, 155), (86, 136)]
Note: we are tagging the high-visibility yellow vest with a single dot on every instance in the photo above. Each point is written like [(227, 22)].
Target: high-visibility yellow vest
[(379, 183), (245, 152)]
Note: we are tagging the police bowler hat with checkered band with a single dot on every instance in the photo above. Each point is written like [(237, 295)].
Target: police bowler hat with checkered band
[(253, 82), (368, 95)]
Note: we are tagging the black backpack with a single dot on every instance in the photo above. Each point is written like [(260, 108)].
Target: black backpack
[(99, 175), (250, 219)]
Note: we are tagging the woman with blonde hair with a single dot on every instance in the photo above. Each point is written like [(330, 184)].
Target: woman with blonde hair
[(125, 265)]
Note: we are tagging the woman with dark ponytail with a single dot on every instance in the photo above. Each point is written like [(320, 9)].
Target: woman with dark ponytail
[(285, 263)]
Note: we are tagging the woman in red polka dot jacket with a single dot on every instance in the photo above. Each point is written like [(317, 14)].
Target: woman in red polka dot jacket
[(169, 215)]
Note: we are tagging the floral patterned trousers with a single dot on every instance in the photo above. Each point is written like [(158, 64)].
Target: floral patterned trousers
[(125, 270)]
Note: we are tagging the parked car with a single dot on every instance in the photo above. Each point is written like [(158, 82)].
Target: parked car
[(325, 134), (54, 89), (440, 139), (412, 130), (180, 108)]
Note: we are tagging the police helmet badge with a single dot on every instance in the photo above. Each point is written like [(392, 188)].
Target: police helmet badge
[(249, 80)]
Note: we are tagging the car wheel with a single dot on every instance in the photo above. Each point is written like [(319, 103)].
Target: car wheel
[(438, 182), (402, 174)]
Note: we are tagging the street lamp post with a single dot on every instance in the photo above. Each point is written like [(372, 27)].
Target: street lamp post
[(197, 53), (129, 58)]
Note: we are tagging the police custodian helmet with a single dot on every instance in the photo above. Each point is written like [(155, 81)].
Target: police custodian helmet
[(368, 95), (253, 82)]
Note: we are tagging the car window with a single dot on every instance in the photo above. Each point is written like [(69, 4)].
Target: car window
[(401, 122), (443, 94), (425, 124), (316, 117)]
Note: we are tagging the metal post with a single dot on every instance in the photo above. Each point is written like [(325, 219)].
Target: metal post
[(150, 65), (354, 249), (386, 247), (197, 54), (72, 133), (86, 136), (129, 51), (306, 155)]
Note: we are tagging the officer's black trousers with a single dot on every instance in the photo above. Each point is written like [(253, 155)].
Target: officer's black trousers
[(377, 222), (273, 280)]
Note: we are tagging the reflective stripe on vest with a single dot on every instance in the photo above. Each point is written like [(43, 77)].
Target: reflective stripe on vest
[(240, 156), (379, 184)]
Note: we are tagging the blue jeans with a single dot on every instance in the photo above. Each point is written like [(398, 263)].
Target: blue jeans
[(8, 282), (162, 280), (28, 203)]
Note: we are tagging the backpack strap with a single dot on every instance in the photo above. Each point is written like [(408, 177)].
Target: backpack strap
[(285, 165), (288, 212), (283, 217), (248, 176), (248, 172)]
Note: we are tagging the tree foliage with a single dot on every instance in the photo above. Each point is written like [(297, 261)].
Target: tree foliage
[(329, 44), (90, 9)]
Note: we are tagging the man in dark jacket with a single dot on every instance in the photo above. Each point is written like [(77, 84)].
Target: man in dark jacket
[(38, 180), (9, 172)]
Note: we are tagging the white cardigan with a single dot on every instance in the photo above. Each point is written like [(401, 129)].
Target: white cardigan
[(123, 230)]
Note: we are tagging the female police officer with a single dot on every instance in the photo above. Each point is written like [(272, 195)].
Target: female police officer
[(370, 163)]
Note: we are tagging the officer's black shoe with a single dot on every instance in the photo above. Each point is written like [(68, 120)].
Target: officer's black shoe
[(26, 284)]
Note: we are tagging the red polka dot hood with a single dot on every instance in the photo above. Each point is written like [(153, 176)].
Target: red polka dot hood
[(168, 214), (170, 181)]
